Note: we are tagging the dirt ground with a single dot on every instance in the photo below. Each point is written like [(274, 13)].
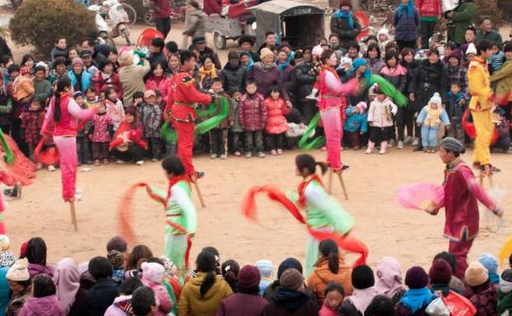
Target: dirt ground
[(412, 236)]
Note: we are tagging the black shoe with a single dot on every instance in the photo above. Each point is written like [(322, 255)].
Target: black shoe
[(493, 169), (418, 148), (199, 174), (345, 167)]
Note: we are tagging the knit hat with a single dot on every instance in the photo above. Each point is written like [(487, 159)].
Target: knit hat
[(436, 99), (77, 61), (265, 267), (440, 272), (25, 71), (291, 279), (117, 243), (346, 2), (506, 281), (149, 93), (416, 278), (249, 278), (362, 106), (265, 52), (5, 243), (346, 60), (289, 263), (456, 54), (153, 271), (42, 64), (116, 258), (23, 248), (453, 145), (491, 264), (383, 31), (19, 271), (362, 277), (476, 274), (471, 49)]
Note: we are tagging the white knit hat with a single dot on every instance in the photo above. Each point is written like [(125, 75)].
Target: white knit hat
[(383, 31), (471, 49), (436, 99), (153, 271), (19, 271), (345, 60), (317, 50), (5, 243)]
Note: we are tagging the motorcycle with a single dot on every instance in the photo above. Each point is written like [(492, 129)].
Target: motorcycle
[(111, 21), (178, 8)]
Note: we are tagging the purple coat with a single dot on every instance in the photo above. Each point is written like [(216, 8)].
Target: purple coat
[(120, 306), (406, 27), (44, 306), (242, 304), (265, 78), (35, 269), (252, 113)]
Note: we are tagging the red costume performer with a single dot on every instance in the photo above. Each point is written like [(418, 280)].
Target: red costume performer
[(461, 196), (181, 102)]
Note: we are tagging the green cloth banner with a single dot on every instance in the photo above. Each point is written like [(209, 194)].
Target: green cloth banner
[(9, 156), (317, 142), (389, 89)]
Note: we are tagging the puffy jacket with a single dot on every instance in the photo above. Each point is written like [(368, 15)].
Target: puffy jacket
[(100, 83), (100, 296), (347, 34), (428, 79), (406, 27), (252, 113), (462, 17), (503, 78), (163, 85), (322, 276), (381, 114), (304, 79), (85, 83), (376, 65), (397, 77), (192, 304), (233, 78), (164, 300), (276, 120), (429, 8), (485, 299)]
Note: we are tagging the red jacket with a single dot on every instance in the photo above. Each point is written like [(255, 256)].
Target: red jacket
[(252, 113), (100, 83), (429, 8), (276, 110), (183, 96)]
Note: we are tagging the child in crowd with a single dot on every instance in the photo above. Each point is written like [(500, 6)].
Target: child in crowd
[(230, 270), (42, 87), (457, 105), (236, 129), (31, 123), (7, 258), (153, 277), (82, 138), (115, 107), (219, 134), (503, 129), (138, 102), (498, 58), (266, 270), (356, 124), (151, 120), (144, 302), (430, 119), (276, 124), (117, 260), (104, 291), (380, 118), (44, 300), (102, 127), (417, 298), (90, 96), (334, 296), (253, 117)]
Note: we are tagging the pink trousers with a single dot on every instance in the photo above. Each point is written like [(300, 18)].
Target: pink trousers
[(333, 128), (68, 161)]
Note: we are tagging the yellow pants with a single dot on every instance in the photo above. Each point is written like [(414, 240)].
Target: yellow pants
[(484, 127)]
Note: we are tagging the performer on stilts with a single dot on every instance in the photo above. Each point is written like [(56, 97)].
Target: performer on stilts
[(481, 106), (180, 212), (61, 122), (461, 195), (181, 102), (325, 217)]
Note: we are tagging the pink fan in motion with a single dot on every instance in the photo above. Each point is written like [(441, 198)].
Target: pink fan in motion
[(420, 196)]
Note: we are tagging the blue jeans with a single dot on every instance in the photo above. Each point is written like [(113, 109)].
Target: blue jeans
[(429, 135)]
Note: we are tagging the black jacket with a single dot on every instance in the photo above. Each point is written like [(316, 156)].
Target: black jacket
[(233, 78), (291, 302), (428, 79), (304, 79), (342, 28), (100, 296)]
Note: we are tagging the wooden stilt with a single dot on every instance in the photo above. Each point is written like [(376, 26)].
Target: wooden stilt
[(340, 177), (199, 194), (330, 181), (73, 214)]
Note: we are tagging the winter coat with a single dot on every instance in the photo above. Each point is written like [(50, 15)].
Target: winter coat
[(132, 80), (162, 296), (485, 299), (304, 79), (346, 34), (356, 121), (492, 36), (192, 304), (242, 304), (276, 120), (454, 108), (233, 78), (252, 113), (462, 17), (503, 78), (164, 85), (5, 290), (195, 27), (5, 107), (116, 111), (376, 65), (17, 301), (265, 78), (35, 269), (322, 276), (85, 83), (397, 77), (44, 306), (457, 75), (428, 79), (430, 8), (79, 307), (381, 114), (120, 305), (411, 72), (43, 90), (432, 117), (406, 27), (290, 302), (101, 82), (100, 296), (101, 123), (151, 120)]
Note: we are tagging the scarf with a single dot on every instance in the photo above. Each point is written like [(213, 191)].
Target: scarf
[(348, 15), (203, 73), (282, 67), (264, 68), (362, 298), (504, 302), (402, 7), (458, 97), (415, 299)]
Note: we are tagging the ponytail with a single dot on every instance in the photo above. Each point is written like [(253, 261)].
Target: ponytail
[(329, 250), (208, 282), (56, 108), (206, 264), (323, 166), (309, 163), (63, 84)]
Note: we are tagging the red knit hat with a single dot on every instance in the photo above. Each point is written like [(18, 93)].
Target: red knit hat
[(249, 277), (346, 2), (440, 272)]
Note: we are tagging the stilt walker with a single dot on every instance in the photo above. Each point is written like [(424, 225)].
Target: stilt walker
[(481, 106), (61, 122), (325, 217), (461, 195), (181, 222)]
